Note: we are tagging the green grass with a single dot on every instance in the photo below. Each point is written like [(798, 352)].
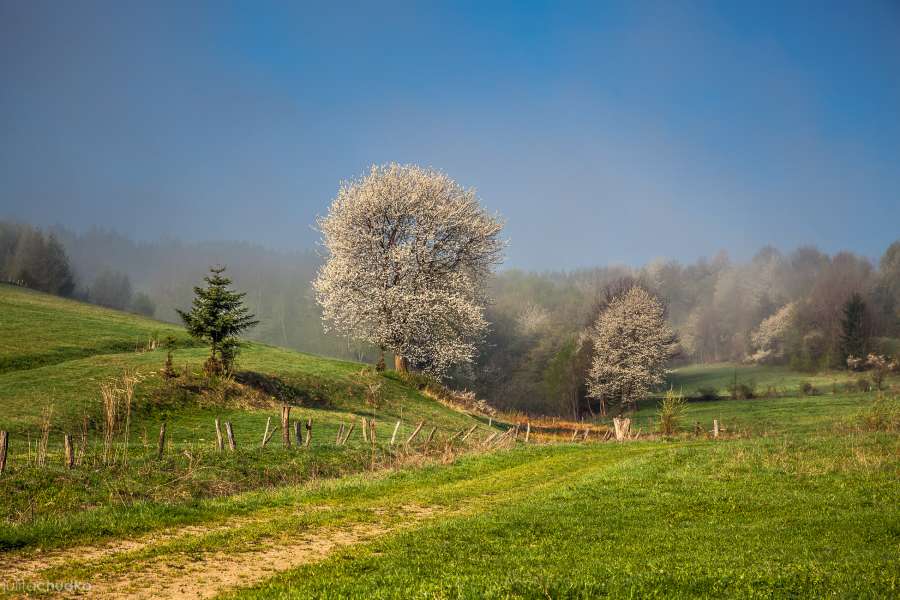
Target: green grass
[(68, 348), (798, 516), (39, 329), (803, 504), (764, 378), (752, 518)]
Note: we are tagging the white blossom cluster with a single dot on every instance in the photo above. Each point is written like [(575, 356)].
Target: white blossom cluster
[(408, 254), (768, 339), (632, 343)]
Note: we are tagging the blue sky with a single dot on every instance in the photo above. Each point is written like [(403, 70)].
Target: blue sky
[(602, 132)]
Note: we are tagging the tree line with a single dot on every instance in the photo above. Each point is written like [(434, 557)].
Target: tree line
[(397, 280)]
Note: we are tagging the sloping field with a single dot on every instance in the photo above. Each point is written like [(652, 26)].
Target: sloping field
[(799, 498)]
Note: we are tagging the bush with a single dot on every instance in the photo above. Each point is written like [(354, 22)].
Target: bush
[(884, 415), (742, 391), (771, 392), (808, 389), (670, 411), (707, 393)]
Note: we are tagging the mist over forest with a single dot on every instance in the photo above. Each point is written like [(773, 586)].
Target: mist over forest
[(777, 308)]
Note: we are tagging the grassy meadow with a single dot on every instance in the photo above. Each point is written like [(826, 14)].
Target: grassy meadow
[(799, 498)]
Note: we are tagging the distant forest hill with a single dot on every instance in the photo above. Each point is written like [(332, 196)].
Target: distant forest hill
[(776, 308)]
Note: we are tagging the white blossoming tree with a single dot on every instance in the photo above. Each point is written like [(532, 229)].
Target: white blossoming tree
[(632, 343), (769, 338), (408, 254)]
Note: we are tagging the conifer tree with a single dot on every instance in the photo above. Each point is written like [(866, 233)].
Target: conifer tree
[(218, 316), (853, 334)]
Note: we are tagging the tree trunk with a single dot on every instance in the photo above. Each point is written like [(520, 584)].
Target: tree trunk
[(401, 364)]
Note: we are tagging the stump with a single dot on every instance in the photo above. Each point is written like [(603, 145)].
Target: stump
[(622, 428)]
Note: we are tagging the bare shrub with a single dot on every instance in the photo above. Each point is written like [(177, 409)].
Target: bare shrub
[(883, 415), (46, 418), (671, 410)]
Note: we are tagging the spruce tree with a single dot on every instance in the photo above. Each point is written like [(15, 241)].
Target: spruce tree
[(853, 336), (218, 317)]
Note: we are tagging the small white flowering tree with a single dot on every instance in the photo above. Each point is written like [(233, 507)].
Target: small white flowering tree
[(769, 338), (408, 254), (632, 343)]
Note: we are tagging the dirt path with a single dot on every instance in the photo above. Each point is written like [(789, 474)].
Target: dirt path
[(201, 574), (24, 566)]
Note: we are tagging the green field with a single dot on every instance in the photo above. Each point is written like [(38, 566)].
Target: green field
[(39, 499), (799, 498)]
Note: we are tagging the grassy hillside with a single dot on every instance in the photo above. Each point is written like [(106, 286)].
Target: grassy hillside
[(764, 379), (57, 352), (799, 498)]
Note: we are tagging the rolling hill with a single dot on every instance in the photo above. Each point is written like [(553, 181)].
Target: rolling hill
[(797, 499)]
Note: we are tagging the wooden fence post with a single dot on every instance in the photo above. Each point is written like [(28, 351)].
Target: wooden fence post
[(364, 426), (220, 444), (4, 449), (161, 443), (349, 432), (340, 435), (415, 433), (266, 432), (286, 426), (527, 431), (430, 435), (716, 428), (308, 432), (469, 432), (70, 451), (394, 435), (229, 431), (372, 432), (298, 433)]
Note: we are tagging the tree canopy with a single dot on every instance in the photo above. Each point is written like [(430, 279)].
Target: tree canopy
[(408, 254)]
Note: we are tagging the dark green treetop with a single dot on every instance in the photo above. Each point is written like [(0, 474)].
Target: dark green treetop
[(218, 317), (854, 338)]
